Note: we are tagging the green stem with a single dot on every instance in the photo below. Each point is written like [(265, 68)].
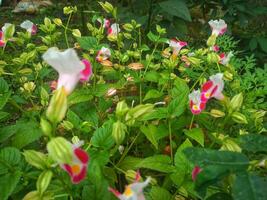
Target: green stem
[(191, 123), (65, 32), (170, 138)]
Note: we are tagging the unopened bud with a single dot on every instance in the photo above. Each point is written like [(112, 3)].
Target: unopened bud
[(228, 76), (36, 159), (130, 175), (29, 86), (76, 33), (106, 6), (44, 181), (67, 125), (57, 21), (118, 132), (239, 118), (46, 127), (121, 109), (213, 58), (217, 113), (128, 27), (60, 150), (236, 102), (212, 40), (58, 106)]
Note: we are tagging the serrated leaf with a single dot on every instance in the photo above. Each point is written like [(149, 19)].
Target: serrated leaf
[(8, 183), (263, 43), (87, 42), (253, 143), (249, 187), (150, 133), (102, 137), (9, 158), (176, 8), (79, 96), (4, 92), (158, 193), (196, 134), (152, 37), (152, 94)]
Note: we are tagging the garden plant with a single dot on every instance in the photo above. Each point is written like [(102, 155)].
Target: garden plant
[(122, 113)]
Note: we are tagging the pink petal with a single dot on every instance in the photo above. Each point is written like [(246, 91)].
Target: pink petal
[(114, 191), (81, 155), (34, 30), (206, 86), (195, 172), (182, 43), (203, 97), (67, 168), (137, 176), (87, 72), (2, 43)]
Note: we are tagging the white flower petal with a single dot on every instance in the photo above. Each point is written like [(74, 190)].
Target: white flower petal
[(27, 24)]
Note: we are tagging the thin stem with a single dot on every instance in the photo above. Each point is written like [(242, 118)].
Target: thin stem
[(191, 123), (170, 138), (65, 32)]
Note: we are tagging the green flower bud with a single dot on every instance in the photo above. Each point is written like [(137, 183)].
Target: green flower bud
[(76, 33), (139, 110), (46, 127), (239, 118), (47, 22), (228, 76), (60, 150), (9, 32), (130, 176), (128, 27), (26, 71), (67, 125), (118, 132), (36, 159), (127, 35), (69, 9), (230, 145), (34, 195), (44, 181), (29, 86), (58, 106), (213, 58), (121, 109), (125, 58), (236, 102), (106, 6), (57, 21), (217, 113), (211, 41)]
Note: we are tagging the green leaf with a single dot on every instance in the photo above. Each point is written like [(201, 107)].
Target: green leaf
[(4, 92), (8, 183), (9, 158), (3, 115), (150, 133), (152, 37), (263, 43), (253, 143), (26, 133), (102, 137), (249, 187), (253, 44), (87, 42), (158, 193), (130, 162), (7, 132), (176, 8), (79, 96), (152, 94), (152, 76), (180, 160), (232, 161), (196, 134)]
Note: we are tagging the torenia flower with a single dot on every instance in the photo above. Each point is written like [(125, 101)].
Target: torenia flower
[(29, 26), (103, 54), (218, 27), (77, 169), (213, 88), (105, 22), (176, 45), (114, 30), (225, 59), (133, 191), (2, 42), (195, 172), (195, 103), (69, 67), (6, 34), (215, 48)]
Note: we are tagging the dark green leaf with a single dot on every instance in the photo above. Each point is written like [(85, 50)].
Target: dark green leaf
[(263, 43), (8, 183), (196, 134), (152, 94), (4, 92), (253, 143), (158, 193), (150, 133), (9, 158)]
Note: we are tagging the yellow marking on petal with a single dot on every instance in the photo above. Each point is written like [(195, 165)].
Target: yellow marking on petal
[(195, 107), (207, 95), (128, 191), (75, 169)]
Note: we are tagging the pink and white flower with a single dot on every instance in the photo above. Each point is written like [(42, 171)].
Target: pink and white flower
[(218, 27), (133, 191), (215, 48), (103, 54), (176, 45), (195, 102), (114, 30), (195, 172), (29, 27), (77, 169), (105, 22), (213, 88), (3, 34), (69, 67), (225, 59), (2, 41)]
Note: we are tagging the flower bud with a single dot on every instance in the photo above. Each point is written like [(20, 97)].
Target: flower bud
[(228, 76), (118, 132), (47, 22), (217, 113), (57, 21), (76, 33), (239, 118), (130, 176), (46, 127), (121, 109), (29, 86), (9, 32), (125, 58), (128, 27), (236, 102), (212, 40), (36, 159), (140, 110), (67, 125), (34, 195), (70, 9), (213, 58), (106, 6), (58, 106), (43, 181), (60, 150)]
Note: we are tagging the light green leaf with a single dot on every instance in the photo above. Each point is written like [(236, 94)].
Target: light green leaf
[(87, 42), (8, 183), (158, 193), (9, 158), (196, 134), (4, 92), (152, 37), (152, 94), (253, 143), (79, 96), (150, 133)]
